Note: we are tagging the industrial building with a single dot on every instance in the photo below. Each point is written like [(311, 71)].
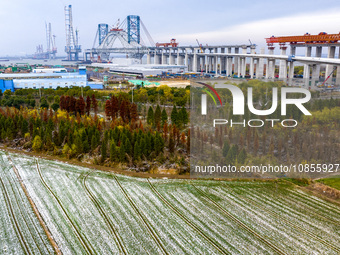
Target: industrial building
[(46, 80), (143, 70)]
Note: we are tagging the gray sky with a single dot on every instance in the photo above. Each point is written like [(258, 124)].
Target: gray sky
[(22, 22)]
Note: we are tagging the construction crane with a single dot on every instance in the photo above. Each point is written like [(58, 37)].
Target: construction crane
[(172, 43), (72, 48), (50, 39), (307, 38), (200, 45), (330, 75)]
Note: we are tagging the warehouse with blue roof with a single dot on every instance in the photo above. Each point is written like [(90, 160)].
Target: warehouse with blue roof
[(46, 80)]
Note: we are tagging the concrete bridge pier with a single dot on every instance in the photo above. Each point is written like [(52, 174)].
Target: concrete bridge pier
[(270, 68), (203, 64), (283, 65), (337, 81), (306, 70), (186, 58), (148, 58), (164, 57), (157, 58), (315, 75), (236, 62), (195, 59), (229, 71), (329, 68), (251, 66), (243, 62), (260, 66), (171, 58), (318, 54), (291, 66), (223, 61), (216, 65)]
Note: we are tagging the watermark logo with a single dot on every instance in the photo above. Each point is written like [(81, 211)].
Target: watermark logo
[(239, 104)]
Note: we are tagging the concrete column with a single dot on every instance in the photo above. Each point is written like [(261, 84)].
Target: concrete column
[(210, 60), (241, 67), (203, 64), (337, 81), (255, 66), (156, 58), (190, 60), (148, 58), (291, 66), (243, 63), (186, 58), (178, 61), (260, 66), (329, 68), (194, 65), (283, 65), (164, 58), (236, 61), (251, 65), (306, 70), (170, 58), (223, 61), (216, 65), (270, 74), (316, 68), (315, 75), (229, 64), (251, 68)]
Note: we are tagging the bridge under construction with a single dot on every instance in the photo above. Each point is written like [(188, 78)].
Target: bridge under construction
[(240, 61)]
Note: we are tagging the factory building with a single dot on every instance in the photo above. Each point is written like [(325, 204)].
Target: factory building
[(41, 80), (142, 70)]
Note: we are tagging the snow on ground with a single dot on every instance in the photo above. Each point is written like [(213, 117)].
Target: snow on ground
[(189, 221)]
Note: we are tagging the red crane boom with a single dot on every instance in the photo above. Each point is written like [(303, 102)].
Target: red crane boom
[(305, 39)]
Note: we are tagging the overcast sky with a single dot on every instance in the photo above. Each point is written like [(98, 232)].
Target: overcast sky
[(22, 22)]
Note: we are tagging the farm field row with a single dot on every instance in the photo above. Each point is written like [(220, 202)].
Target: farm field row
[(95, 212)]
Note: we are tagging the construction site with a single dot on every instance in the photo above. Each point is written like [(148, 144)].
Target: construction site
[(127, 48)]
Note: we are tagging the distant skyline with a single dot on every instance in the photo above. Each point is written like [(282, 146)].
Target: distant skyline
[(22, 23)]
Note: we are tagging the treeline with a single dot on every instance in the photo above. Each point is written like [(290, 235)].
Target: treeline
[(80, 136), (74, 105), (157, 118), (120, 107)]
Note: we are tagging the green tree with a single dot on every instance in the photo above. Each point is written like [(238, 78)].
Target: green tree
[(122, 153), (150, 118), (164, 117), (242, 156), (104, 150), (37, 143), (174, 116), (7, 93), (113, 151), (159, 144), (184, 116), (225, 148), (55, 106), (136, 151), (158, 116), (43, 103), (230, 158)]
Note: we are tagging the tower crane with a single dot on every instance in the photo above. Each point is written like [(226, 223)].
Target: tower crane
[(200, 45)]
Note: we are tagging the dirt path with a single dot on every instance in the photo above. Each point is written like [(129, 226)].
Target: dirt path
[(36, 212)]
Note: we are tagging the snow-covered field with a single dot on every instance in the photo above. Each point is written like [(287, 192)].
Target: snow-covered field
[(94, 212)]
